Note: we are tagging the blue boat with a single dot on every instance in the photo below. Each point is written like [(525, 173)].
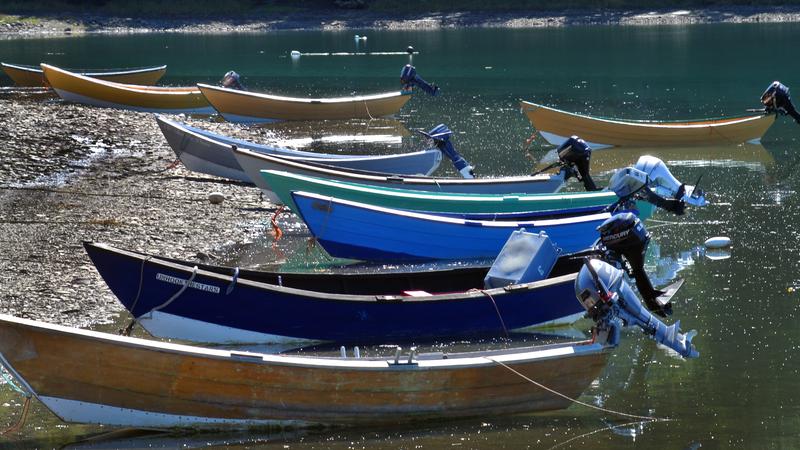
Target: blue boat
[(353, 230), (182, 300)]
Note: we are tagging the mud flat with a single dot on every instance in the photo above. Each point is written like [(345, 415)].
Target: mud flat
[(72, 173)]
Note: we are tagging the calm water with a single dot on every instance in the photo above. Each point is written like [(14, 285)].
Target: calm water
[(743, 392)]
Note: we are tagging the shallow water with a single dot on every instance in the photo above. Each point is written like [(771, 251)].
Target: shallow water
[(743, 390)]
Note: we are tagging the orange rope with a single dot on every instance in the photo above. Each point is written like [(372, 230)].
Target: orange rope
[(274, 222), (21, 422), (173, 164)]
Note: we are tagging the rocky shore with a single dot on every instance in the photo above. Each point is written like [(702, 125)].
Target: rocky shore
[(59, 25), (73, 173)]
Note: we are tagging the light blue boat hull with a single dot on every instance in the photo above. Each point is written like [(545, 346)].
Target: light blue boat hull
[(210, 153)]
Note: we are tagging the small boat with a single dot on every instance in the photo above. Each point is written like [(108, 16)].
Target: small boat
[(353, 230), (488, 205), (81, 89), (228, 305), (556, 126), (243, 106), (86, 376), (32, 76), (92, 377), (253, 163), (210, 153)]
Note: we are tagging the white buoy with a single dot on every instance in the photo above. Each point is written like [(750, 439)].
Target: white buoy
[(718, 242), (215, 198), (358, 37), (295, 54)]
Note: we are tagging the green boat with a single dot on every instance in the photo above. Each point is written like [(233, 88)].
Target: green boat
[(499, 205)]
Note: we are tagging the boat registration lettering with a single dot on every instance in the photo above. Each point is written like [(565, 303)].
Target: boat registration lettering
[(181, 282)]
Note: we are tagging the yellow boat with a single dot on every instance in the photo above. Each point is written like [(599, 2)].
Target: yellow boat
[(82, 89), (242, 106), (32, 76), (555, 126)]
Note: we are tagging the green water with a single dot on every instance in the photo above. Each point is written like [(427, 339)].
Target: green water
[(743, 390)]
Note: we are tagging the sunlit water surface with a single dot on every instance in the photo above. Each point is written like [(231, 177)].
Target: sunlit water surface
[(743, 390)]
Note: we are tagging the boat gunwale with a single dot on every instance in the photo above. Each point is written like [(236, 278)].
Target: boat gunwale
[(700, 123), (416, 215), (184, 266), (395, 179), (309, 101), (424, 362), (139, 89), (303, 157), (90, 72)]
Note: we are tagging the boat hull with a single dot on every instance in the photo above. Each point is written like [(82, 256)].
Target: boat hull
[(210, 153), (253, 163), (243, 106), (86, 376), (33, 77), (499, 206), (80, 89), (556, 126), (359, 231), (217, 308)]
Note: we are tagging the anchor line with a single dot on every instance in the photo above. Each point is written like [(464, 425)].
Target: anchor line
[(576, 401)]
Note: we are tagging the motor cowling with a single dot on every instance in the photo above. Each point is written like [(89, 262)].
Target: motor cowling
[(611, 303), (409, 79), (440, 134), (776, 99), (625, 235), (232, 80), (577, 154)]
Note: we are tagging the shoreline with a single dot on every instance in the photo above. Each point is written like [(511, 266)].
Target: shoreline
[(61, 25)]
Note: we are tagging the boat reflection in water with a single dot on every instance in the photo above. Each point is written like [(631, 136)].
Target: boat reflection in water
[(368, 137), (751, 156)]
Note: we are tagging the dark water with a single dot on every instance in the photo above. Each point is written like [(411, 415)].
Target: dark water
[(743, 390)]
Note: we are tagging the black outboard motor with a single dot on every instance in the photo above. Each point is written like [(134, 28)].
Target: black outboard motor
[(576, 153), (776, 99), (409, 79), (231, 81), (624, 235), (440, 135)]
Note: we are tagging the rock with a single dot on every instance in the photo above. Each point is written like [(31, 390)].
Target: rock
[(215, 198)]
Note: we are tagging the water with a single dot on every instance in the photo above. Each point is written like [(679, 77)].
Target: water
[(743, 390)]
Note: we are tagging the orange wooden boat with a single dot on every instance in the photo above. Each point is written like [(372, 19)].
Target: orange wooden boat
[(556, 126), (91, 377), (81, 89), (32, 76)]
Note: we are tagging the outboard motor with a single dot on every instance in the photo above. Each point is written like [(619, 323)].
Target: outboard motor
[(776, 99), (440, 135), (651, 180), (624, 235), (611, 303), (231, 81), (576, 153), (409, 79)]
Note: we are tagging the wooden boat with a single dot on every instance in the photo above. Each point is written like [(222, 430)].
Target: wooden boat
[(81, 89), (206, 152), (497, 206), (32, 76), (243, 106), (353, 230), (227, 305), (253, 163), (556, 126), (91, 377)]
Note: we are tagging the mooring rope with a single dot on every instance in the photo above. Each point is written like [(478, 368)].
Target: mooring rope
[(25, 407), (176, 295), (554, 392), (610, 427), (497, 310), (366, 106), (274, 222), (127, 330)]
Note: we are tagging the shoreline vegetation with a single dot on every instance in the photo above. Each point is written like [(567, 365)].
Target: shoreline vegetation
[(71, 17)]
